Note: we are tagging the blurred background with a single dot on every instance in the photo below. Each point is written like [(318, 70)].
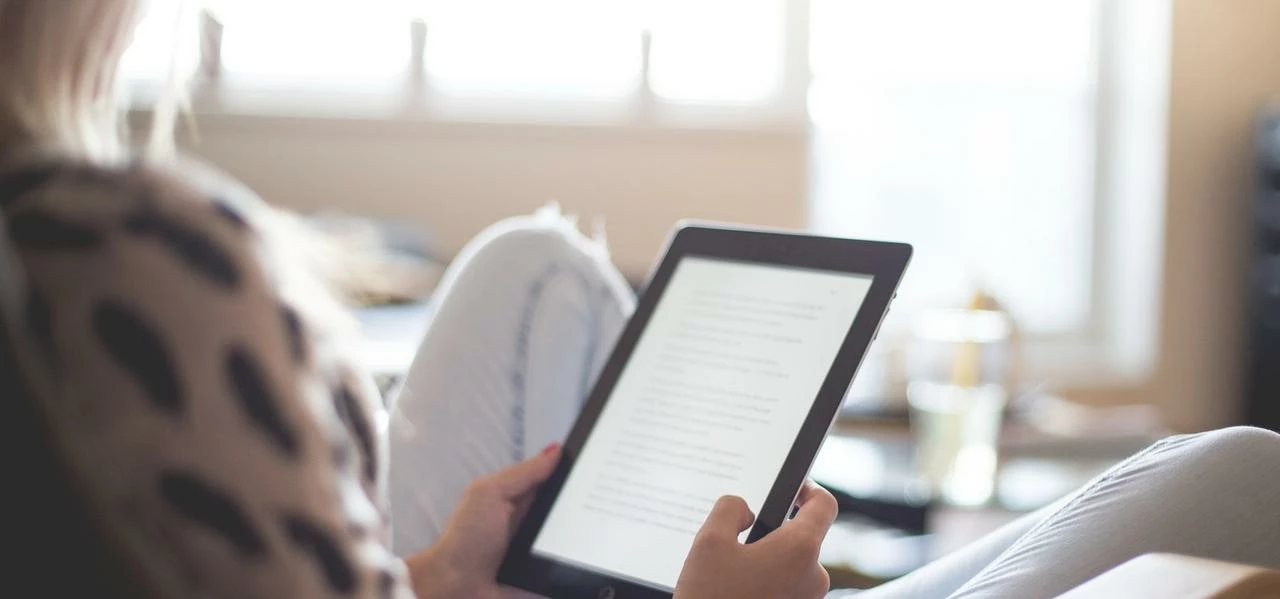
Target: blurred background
[(1094, 173)]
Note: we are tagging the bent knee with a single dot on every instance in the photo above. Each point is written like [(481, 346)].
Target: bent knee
[(533, 241), (543, 252), (1243, 443), (1208, 455)]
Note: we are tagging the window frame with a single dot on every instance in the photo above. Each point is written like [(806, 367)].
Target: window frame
[(212, 91)]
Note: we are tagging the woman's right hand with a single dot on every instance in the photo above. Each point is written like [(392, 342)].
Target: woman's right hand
[(782, 565)]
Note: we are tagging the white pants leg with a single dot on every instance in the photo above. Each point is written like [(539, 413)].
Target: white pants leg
[(1214, 495), (946, 575), (525, 317)]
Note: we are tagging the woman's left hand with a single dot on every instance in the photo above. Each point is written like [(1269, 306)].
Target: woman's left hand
[(464, 562)]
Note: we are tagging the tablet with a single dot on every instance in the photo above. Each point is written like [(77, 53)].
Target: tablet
[(724, 382)]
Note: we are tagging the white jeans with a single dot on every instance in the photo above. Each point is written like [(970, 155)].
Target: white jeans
[(530, 310)]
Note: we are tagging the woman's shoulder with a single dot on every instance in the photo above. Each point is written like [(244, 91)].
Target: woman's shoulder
[(49, 192), (164, 228), (189, 382)]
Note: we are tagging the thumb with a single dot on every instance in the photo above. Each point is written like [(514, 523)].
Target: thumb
[(817, 510), (519, 479), (729, 517)]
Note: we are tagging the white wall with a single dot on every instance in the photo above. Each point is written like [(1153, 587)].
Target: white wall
[(1225, 68), (1226, 65), (457, 178)]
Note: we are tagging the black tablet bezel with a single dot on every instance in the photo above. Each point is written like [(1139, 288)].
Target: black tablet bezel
[(884, 262)]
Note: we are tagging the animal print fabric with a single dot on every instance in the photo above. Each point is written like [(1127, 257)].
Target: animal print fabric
[(197, 383)]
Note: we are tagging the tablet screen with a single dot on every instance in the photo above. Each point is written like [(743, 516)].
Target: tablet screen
[(709, 404)]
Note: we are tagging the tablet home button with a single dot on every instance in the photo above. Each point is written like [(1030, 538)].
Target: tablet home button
[(606, 593)]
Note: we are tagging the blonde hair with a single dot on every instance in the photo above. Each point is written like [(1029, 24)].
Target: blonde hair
[(59, 91)]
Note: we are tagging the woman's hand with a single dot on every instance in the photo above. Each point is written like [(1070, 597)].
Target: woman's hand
[(464, 562), (782, 565)]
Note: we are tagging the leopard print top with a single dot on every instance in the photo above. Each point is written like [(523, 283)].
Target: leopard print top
[(195, 380)]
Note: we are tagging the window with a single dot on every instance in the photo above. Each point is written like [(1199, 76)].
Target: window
[(717, 51), (967, 129), (582, 51), (165, 38), (285, 43), (566, 49)]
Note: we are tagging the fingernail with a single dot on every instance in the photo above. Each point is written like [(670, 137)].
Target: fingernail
[(550, 448)]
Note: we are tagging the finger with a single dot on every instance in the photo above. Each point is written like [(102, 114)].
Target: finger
[(522, 478), (729, 517), (522, 504), (817, 510), (819, 582), (510, 593)]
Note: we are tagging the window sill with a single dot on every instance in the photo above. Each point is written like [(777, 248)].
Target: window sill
[(378, 104)]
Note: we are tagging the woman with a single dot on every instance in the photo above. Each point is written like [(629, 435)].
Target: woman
[(196, 380)]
